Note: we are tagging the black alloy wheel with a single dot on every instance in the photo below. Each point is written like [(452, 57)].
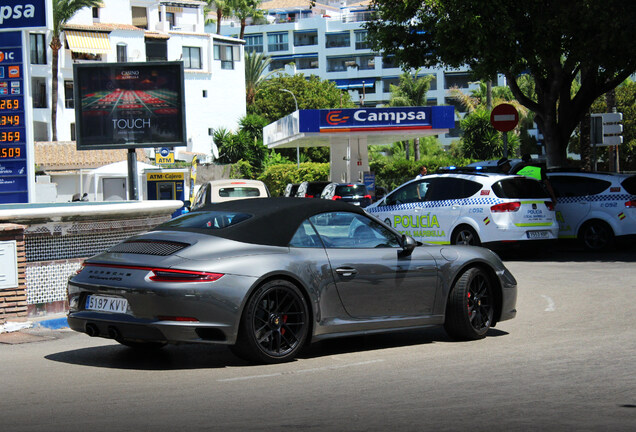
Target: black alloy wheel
[(465, 235), (275, 324), (471, 306), (596, 235)]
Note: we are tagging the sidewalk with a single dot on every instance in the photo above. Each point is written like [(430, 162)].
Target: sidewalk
[(53, 322)]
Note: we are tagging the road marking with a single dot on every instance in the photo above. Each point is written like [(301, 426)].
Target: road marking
[(320, 369), (551, 306)]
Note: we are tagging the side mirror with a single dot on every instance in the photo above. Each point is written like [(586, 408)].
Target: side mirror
[(408, 244), (187, 203)]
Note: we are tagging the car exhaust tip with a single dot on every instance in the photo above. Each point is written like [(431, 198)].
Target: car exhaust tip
[(92, 330), (114, 333)]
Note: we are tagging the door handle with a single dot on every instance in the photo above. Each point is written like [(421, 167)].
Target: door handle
[(346, 271)]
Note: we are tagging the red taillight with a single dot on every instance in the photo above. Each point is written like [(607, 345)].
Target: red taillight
[(506, 207), (79, 270), (367, 196), (630, 204), (549, 205), (169, 275), (308, 196), (336, 197)]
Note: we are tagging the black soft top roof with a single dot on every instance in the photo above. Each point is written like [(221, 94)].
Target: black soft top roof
[(274, 221)]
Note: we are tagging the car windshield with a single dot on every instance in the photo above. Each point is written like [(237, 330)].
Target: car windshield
[(347, 190), (516, 188), (207, 220)]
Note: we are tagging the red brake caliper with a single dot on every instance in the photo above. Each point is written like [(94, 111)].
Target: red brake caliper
[(282, 330), (468, 301)]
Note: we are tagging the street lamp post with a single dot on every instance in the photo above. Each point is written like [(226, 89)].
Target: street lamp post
[(297, 147)]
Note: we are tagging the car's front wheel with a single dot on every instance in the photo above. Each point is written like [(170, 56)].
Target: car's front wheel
[(274, 325), (471, 306), (596, 235)]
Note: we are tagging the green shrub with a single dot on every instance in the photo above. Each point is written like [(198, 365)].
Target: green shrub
[(276, 177)]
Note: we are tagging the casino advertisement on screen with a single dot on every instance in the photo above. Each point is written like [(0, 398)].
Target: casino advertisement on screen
[(129, 105)]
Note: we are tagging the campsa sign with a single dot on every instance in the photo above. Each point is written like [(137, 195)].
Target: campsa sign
[(22, 13)]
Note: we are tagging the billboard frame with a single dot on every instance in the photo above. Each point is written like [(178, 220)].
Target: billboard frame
[(109, 145)]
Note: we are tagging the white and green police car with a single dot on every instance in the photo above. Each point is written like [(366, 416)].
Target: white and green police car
[(594, 207), (470, 207)]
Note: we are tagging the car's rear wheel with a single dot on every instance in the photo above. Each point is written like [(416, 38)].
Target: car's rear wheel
[(274, 325), (465, 235), (471, 306), (596, 235)]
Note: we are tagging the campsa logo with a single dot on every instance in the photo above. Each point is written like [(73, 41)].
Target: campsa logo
[(334, 118), (388, 116), (16, 12)]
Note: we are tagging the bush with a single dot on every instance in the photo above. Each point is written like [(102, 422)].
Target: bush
[(276, 177)]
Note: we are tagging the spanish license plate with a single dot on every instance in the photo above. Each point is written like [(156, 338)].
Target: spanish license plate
[(106, 304), (538, 234)]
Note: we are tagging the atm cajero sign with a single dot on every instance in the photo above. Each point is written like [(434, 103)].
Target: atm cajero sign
[(22, 13), (165, 176)]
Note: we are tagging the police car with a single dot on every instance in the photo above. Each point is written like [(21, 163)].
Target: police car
[(470, 207), (594, 207)]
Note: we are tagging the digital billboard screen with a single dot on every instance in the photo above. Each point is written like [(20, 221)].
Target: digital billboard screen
[(129, 105)]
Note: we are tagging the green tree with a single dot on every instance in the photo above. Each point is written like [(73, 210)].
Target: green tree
[(255, 66), (553, 42), (411, 91), (313, 93), (243, 9), (63, 10), (480, 140), (222, 8)]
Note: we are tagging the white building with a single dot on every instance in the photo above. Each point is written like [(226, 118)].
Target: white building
[(140, 31), (329, 40)]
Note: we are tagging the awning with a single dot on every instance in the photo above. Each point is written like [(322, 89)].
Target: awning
[(354, 83), (87, 42)]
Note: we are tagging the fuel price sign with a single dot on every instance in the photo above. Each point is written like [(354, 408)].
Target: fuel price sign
[(13, 157)]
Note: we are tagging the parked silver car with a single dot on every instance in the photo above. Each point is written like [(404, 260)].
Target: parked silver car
[(267, 275)]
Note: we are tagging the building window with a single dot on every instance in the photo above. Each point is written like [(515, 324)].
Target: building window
[(366, 62), (139, 17), (338, 40), (277, 42), (156, 50), (361, 40), (388, 62), (192, 57), (280, 63), (388, 82), (305, 38), (170, 18), (254, 44), (73, 136), (210, 131), (227, 55), (307, 63), (38, 89), (340, 64), (122, 53), (205, 93), (38, 48), (69, 102), (460, 80), (96, 12)]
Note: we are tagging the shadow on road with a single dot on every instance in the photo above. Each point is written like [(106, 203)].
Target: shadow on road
[(195, 356), (570, 252)]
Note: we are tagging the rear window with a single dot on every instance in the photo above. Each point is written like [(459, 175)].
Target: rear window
[(348, 190), (629, 184), (233, 192), (315, 188), (519, 188), (206, 220), (574, 186)]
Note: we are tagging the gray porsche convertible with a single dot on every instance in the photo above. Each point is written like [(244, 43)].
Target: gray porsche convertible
[(268, 275)]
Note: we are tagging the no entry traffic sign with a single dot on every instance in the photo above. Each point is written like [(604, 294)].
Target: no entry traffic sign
[(504, 117)]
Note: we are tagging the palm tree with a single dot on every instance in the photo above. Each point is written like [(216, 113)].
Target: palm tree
[(244, 9), (222, 8), (255, 66), (411, 91), (63, 10)]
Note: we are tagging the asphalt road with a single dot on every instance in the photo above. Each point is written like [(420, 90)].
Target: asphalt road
[(567, 362)]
